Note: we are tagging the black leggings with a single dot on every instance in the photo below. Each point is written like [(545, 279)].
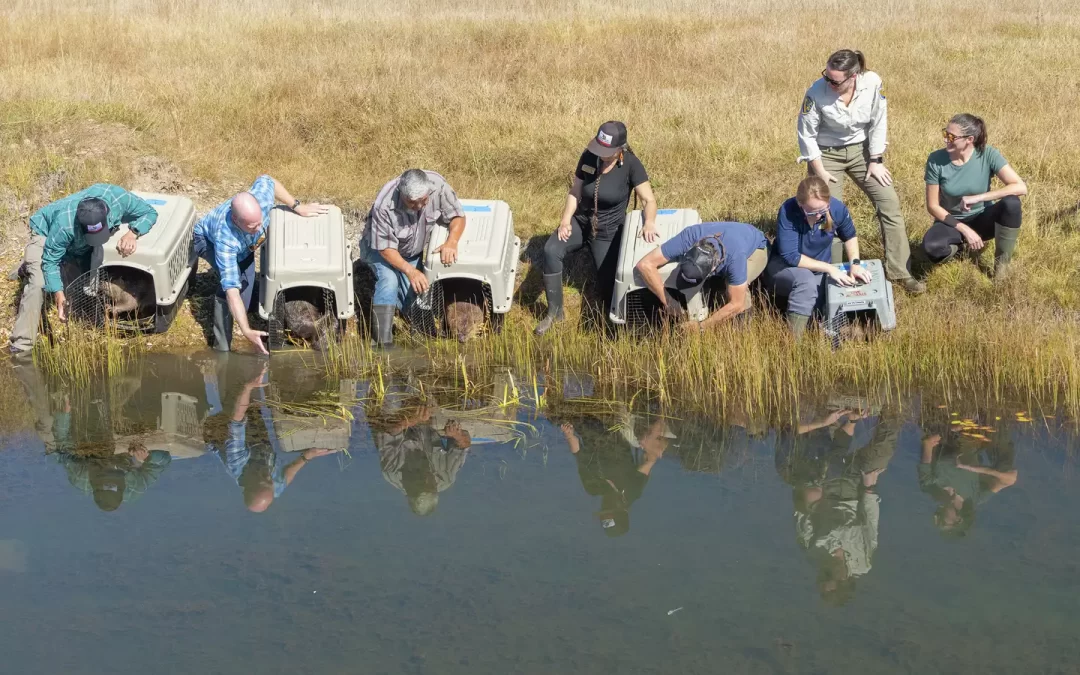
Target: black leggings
[(605, 254), (1005, 212)]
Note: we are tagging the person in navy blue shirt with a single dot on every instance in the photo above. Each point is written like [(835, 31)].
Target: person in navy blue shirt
[(802, 253), (731, 254)]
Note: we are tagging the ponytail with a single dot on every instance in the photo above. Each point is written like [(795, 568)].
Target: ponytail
[(847, 61), (971, 125), (813, 187)]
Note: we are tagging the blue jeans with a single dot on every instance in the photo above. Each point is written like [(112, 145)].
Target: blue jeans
[(223, 320), (802, 289), (391, 286)]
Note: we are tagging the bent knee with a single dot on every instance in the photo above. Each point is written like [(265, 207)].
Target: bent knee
[(1012, 204)]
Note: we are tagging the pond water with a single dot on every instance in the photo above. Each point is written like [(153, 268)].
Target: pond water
[(416, 536)]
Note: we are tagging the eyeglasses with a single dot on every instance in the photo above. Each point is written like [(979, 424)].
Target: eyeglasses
[(950, 137), (814, 216), (825, 76)]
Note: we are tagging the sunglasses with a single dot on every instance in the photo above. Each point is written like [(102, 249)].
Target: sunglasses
[(816, 215), (950, 137), (835, 83)]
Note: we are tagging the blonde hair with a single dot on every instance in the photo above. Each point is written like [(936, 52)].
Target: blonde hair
[(813, 187)]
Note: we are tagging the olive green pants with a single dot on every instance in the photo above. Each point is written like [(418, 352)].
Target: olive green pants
[(852, 160)]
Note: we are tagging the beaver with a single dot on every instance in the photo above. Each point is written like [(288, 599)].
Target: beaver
[(123, 290), (306, 317), (465, 308), (127, 291)]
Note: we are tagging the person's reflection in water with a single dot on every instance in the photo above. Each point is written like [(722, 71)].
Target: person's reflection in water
[(613, 469), (253, 462), (834, 477), (962, 471), (418, 459), (116, 478)]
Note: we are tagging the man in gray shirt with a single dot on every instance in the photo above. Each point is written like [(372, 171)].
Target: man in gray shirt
[(393, 243)]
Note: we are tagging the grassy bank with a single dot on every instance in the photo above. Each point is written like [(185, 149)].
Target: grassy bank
[(335, 97)]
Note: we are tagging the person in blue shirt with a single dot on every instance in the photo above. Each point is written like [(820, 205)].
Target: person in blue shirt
[(252, 460), (731, 254), (802, 253), (228, 238)]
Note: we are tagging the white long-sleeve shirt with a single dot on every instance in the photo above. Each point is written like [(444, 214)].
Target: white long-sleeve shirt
[(824, 120)]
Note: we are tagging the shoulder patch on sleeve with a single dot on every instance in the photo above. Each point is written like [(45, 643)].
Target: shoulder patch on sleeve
[(807, 105), (881, 91), (585, 168)]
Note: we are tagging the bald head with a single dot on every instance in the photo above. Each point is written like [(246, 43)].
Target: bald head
[(246, 212), (258, 499)]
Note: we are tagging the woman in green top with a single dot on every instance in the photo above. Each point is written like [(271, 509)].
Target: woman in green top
[(966, 211)]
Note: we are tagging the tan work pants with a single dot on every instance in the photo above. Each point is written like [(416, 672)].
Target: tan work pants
[(852, 160), (33, 297)]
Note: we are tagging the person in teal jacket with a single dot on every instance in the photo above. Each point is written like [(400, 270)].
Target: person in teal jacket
[(115, 479), (71, 228)]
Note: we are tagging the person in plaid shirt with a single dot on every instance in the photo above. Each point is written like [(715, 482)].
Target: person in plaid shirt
[(228, 238), (72, 227)]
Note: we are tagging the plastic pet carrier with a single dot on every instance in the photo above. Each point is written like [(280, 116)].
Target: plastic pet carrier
[(479, 287), (297, 430), (305, 260), (632, 303), (868, 305), (144, 290)]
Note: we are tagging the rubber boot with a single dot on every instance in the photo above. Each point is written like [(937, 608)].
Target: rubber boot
[(1004, 246), (797, 323), (382, 325), (554, 291)]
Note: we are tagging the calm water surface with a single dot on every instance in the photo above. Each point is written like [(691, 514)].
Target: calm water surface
[(415, 538)]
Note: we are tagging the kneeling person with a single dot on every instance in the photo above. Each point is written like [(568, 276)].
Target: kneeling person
[(733, 252), (397, 232), (70, 228), (228, 238)]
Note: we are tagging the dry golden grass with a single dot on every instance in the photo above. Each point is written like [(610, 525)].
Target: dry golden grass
[(335, 97)]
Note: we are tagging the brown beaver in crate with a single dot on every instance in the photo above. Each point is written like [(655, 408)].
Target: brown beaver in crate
[(124, 290), (465, 308), (127, 291), (306, 317)]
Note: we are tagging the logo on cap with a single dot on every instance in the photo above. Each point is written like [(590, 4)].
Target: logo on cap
[(96, 227), (605, 139)]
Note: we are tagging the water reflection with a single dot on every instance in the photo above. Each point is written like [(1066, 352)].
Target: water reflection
[(244, 439), (833, 464), (964, 462), (614, 464)]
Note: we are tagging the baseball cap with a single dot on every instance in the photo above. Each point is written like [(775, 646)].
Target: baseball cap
[(92, 217), (610, 138), (616, 522), (108, 484), (699, 262)]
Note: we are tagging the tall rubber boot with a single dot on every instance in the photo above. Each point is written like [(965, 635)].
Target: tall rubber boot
[(797, 323), (554, 291), (382, 325), (1004, 246)]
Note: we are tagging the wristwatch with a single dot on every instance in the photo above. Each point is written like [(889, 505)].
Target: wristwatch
[(296, 203), (855, 262), (877, 160)]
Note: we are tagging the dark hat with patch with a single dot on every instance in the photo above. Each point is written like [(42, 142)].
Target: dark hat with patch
[(616, 522), (699, 262), (108, 484), (609, 141), (92, 217)]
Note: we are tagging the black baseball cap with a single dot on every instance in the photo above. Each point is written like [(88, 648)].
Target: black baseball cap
[(699, 262), (609, 141), (92, 217), (108, 485), (616, 522)]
